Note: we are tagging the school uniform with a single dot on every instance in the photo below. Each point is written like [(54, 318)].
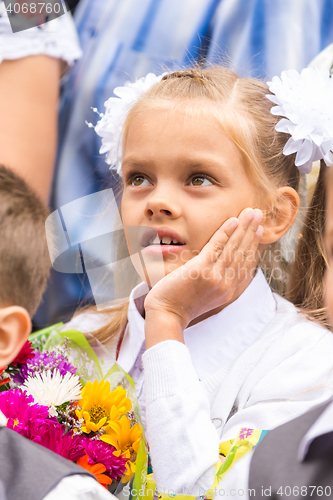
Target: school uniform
[(258, 363), (295, 459), (209, 348), (32, 472)]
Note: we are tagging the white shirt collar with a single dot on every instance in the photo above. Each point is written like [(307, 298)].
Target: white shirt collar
[(135, 331), (322, 425), (216, 340)]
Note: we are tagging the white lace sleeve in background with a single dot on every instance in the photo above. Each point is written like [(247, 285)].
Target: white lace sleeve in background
[(57, 38)]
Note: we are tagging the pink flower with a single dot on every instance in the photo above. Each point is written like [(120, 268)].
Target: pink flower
[(53, 436), (19, 409), (100, 452)]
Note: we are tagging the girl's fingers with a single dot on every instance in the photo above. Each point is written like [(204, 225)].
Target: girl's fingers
[(246, 248), (235, 246), (240, 256), (218, 241), (246, 257), (231, 244), (243, 267)]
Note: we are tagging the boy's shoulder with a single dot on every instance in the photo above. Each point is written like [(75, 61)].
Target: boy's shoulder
[(29, 460)]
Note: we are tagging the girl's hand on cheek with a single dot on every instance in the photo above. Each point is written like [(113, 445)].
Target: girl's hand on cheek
[(207, 281)]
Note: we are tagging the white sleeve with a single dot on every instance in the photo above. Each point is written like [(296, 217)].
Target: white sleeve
[(183, 442), (79, 487), (57, 38)]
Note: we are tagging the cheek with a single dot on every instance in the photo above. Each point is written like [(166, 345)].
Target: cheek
[(127, 210)]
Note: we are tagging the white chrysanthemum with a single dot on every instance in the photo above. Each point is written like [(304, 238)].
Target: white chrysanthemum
[(109, 127), (306, 102), (53, 389)]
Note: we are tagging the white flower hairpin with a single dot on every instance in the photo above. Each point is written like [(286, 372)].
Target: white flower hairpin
[(305, 101), (110, 126)]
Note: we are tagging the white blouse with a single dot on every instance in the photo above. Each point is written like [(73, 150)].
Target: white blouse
[(212, 343), (285, 372), (257, 363)]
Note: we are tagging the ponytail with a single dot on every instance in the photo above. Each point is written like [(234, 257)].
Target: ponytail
[(112, 327), (305, 287)]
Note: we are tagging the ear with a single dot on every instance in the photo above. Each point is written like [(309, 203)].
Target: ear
[(15, 327), (277, 223)]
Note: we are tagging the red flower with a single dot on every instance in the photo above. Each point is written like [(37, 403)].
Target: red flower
[(4, 381), (25, 353)]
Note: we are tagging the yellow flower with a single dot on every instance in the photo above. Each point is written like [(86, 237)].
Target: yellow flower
[(99, 405), (130, 470), (122, 436), (126, 440)]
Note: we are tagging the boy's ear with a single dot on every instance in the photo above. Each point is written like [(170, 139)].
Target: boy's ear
[(15, 327), (286, 208)]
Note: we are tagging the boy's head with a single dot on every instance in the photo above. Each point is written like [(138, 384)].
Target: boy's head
[(24, 261)]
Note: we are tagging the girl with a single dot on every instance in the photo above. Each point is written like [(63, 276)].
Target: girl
[(311, 433), (203, 168)]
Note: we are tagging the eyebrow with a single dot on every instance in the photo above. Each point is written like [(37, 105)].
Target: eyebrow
[(135, 163), (189, 163)]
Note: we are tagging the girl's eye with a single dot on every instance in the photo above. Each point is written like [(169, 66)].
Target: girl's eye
[(200, 181), (139, 180)]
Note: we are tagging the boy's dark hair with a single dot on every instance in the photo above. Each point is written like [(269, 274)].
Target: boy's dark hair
[(24, 259)]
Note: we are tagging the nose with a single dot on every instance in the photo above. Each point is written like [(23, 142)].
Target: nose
[(163, 204)]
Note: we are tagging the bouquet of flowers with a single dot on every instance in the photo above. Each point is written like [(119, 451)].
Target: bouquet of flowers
[(55, 394), (57, 397)]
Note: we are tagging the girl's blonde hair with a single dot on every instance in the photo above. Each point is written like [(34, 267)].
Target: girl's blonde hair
[(240, 107)]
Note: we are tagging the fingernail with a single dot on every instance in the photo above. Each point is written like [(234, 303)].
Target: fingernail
[(260, 231), (250, 214), (258, 215)]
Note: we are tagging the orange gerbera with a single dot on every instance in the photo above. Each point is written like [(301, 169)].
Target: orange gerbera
[(96, 469)]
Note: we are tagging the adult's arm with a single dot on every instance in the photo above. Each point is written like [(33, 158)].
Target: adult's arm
[(29, 90), (31, 65)]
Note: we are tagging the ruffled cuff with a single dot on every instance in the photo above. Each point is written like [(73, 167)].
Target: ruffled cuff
[(57, 38)]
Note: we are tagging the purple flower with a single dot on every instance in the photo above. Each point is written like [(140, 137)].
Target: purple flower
[(102, 453), (20, 410), (53, 436), (43, 361)]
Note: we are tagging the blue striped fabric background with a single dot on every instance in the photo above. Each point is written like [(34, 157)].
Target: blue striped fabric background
[(126, 39)]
